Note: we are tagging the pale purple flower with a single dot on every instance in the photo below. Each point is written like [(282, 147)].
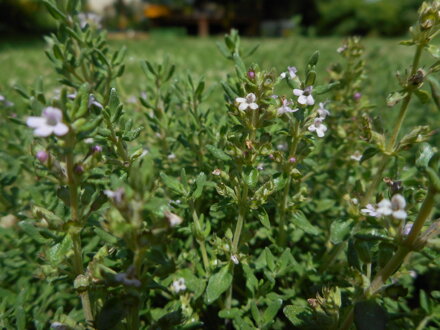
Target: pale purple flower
[(51, 121), (247, 102), (42, 156), (292, 71), (357, 96), (96, 149), (395, 208), (407, 229), (304, 95), (285, 107), (178, 285), (116, 196), (251, 74), (318, 127), (93, 101), (292, 160), (322, 112)]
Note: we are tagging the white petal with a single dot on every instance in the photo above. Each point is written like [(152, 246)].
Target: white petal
[(298, 92), (400, 214), (310, 100), (312, 128), (320, 132), (35, 122), (240, 100), (60, 129), (52, 112), (302, 99), (44, 131), (398, 202), (251, 97), (253, 106), (283, 75), (243, 106)]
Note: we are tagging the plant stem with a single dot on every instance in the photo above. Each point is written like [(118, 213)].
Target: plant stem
[(391, 146), (241, 218), (200, 241), (283, 203), (75, 235)]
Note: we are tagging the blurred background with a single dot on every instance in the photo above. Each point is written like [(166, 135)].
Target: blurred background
[(270, 18)]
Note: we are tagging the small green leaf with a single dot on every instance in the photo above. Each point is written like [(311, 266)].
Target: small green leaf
[(217, 284), (251, 177), (32, 231), (340, 230), (426, 152), (422, 95), (57, 253), (313, 60), (172, 183), (395, 98), (218, 153), (433, 50), (200, 184), (106, 237), (264, 219), (369, 153), (272, 310), (297, 314), (300, 220)]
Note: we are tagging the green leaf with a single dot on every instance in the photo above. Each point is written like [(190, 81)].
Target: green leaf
[(218, 153), (255, 313), (322, 89), (272, 310), (369, 153), (340, 230), (270, 259), (395, 97), (435, 90), (297, 314), (172, 183), (106, 237), (229, 313), (264, 219), (433, 50), (32, 231), (426, 152), (60, 251), (217, 284), (422, 95), (54, 11), (300, 220), (369, 315), (251, 177), (313, 60), (200, 184)]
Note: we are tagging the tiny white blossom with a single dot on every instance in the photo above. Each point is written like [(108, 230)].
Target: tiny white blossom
[(173, 219), (117, 195), (93, 101), (179, 285), (292, 71), (407, 229), (395, 208), (260, 167), (305, 95), (171, 156), (322, 112), (89, 140), (217, 171), (357, 156), (89, 19), (51, 121), (2, 98), (247, 102), (235, 259), (370, 210), (398, 205), (318, 127), (285, 107), (283, 75), (355, 201), (282, 146)]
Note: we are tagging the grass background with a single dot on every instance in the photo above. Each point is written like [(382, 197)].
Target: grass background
[(23, 61)]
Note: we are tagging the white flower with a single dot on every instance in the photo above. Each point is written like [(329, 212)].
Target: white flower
[(234, 259), (173, 219), (49, 122), (117, 196), (2, 98), (217, 172), (248, 102), (282, 146), (370, 210), (318, 127), (304, 96), (398, 205), (89, 19), (357, 156), (171, 156), (179, 285), (395, 208), (283, 75), (322, 112), (285, 107), (260, 167)]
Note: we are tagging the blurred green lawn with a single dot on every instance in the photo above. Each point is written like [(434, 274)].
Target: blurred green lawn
[(23, 61)]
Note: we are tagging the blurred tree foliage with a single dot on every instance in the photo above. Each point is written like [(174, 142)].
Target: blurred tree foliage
[(29, 16), (380, 17)]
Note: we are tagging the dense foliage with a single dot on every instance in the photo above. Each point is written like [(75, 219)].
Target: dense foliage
[(289, 204)]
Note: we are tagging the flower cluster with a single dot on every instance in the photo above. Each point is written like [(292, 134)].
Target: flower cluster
[(317, 125), (395, 208)]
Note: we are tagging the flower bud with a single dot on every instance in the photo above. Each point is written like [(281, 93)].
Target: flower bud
[(292, 160), (357, 96), (251, 74), (96, 149), (42, 156), (78, 169)]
